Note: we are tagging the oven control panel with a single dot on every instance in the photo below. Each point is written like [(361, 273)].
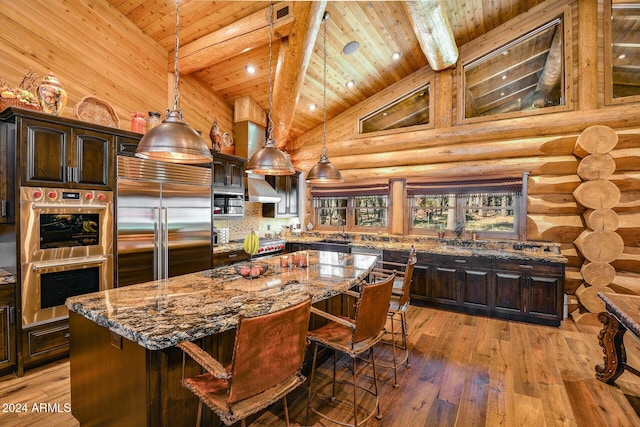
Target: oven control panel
[(63, 195)]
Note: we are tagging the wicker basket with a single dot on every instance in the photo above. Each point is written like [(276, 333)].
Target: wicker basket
[(13, 102)]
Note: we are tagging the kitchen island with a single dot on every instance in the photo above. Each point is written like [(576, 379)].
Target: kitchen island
[(125, 369)]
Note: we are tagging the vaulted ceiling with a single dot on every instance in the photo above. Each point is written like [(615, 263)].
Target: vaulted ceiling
[(238, 36)]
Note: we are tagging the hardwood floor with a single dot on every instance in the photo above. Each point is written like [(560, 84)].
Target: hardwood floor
[(465, 371)]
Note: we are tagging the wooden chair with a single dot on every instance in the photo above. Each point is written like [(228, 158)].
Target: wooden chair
[(353, 337), (266, 363), (397, 309)]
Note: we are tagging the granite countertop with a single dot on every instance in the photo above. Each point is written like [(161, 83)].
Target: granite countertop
[(7, 278), (162, 313), (531, 251)]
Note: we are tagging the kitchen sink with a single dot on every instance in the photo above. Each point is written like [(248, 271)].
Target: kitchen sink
[(332, 245)]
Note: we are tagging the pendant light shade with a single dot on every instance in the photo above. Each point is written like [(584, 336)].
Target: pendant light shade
[(270, 160), (174, 140), (324, 172)]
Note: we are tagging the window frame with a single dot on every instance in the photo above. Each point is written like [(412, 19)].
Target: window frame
[(608, 56), (460, 188), (502, 36), (424, 87)]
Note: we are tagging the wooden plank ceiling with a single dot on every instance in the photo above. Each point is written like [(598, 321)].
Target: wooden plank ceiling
[(381, 28)]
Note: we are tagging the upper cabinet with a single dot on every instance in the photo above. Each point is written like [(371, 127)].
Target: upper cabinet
[(56, 154), (227, 174), (287, 187), (7, 174), (55, 151)]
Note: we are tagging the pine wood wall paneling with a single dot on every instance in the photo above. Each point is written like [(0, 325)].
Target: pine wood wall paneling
[(587, 54), (97, 52)]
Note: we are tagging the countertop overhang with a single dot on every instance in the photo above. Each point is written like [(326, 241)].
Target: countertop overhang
[(159, 314)]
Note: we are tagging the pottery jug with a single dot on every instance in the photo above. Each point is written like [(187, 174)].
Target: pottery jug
[(51, 95)]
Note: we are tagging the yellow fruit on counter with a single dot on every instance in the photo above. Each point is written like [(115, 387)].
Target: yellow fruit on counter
[(251, 243), (7, 94)]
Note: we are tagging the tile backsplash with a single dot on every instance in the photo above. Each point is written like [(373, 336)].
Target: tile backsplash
[(253, 219)]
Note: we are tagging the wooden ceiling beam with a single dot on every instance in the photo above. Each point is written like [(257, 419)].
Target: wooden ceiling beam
[(243, 35), (434, 33), (293, 59)]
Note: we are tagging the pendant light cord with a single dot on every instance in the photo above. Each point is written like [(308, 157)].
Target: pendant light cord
[(324, 86), (176, 70), (270, 123)]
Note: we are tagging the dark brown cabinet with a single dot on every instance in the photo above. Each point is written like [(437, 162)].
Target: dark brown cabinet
[(296, 246), (227, 174), (528, 290), (461, 281), (7, 174), (287, 187), (61, 155), (7, 329), (511, 289)]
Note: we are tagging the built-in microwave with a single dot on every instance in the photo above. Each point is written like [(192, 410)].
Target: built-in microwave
[(228, 205)]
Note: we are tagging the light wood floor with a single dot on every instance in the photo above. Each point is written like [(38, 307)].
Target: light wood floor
[(465, 371)]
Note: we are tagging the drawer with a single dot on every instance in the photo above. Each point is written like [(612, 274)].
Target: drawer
[(536, 267), (48, 339)]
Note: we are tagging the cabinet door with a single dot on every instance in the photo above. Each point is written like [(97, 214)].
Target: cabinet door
[(544, 296), (422, 283), (445, 285), (292, 191), (93, 164), (219, 172), (7, 173), (235, 177), (44, 153), (7, 329), (508, 291), (475, 287)]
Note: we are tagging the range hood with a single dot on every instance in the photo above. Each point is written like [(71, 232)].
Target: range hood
[(249, 139)]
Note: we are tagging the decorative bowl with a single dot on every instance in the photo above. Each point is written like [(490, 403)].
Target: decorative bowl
[(251, 270)]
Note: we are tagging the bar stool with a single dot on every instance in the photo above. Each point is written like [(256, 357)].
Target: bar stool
[(267, 359), (353, 337), (398, 307)]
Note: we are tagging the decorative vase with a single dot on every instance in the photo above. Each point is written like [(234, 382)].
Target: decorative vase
[(51, 95), (216, 137), (228, 145)]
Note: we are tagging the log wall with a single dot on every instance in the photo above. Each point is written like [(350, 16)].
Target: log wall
[(94, 50), (542, 144)]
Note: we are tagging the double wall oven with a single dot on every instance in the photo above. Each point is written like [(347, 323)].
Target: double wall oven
[(66, 248)]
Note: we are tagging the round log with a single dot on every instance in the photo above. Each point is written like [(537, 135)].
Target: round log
[(589, 299), (597, 194), (601, 219), (596, 166), (598, 273), (595, 140), (603, 246)]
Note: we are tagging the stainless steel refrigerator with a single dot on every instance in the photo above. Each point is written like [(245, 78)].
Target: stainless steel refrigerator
[(163, 218)]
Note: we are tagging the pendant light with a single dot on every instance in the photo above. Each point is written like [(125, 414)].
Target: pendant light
[(174, 140), (270, 160), (324, 171)]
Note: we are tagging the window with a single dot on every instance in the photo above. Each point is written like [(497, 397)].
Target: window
[(356, 206), (492, 208), (622, 53), (410, 110), (521, 77)]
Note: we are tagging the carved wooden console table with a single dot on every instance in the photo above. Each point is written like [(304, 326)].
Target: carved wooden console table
[(623, 313)]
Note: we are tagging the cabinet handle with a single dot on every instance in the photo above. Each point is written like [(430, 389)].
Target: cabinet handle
[(69, 174), (3, 208), (12, 315), (525, 266), (233, 255), (460, 261)]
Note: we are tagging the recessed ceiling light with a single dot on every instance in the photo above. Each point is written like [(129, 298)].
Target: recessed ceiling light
[(501, 93), (312, 107), (250, 69), (350, 83), (504, 77), (351, 47), (396, 55), (506, 52), (622, 56)]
